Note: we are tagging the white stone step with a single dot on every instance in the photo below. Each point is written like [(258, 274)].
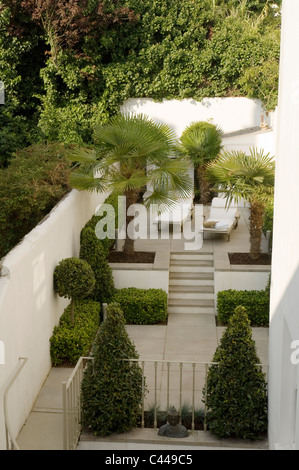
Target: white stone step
[(191, 290), (192, 263), (191, 269), (184, 257), (174, 276), (191, 296), (191, 302), (191, 253), (192, 310), (191, 282)]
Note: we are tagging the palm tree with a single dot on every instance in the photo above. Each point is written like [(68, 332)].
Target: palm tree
[(130, 153), (249, 178), (202, 142)]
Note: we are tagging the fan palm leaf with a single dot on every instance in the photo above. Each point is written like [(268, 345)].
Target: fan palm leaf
[(202, 142), (131, 152), (249, 177)]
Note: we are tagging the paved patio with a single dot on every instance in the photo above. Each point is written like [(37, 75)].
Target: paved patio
[(189, 337), (186, 338)]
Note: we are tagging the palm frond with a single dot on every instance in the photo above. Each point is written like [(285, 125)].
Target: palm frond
[(202, 141), (121, 184), (160, 199), (83, 155), (131, 152), (86, 181), (243, 176)]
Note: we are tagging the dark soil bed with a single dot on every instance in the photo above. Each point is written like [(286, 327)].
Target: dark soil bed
[(244, 258), (137, 257)]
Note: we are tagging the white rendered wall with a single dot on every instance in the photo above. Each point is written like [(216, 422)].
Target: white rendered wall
[(284, 309), (240, 280), (28, 305), (231, 114), (142, 279), (261, 140)]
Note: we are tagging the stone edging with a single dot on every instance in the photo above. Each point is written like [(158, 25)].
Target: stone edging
[(221, 263), (161, 263)]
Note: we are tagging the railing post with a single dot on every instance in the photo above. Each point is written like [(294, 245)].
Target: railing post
[(193, 393), (142, 410), (64, 416), (205, 411), (181, 390), (155, 408), (167, 400)]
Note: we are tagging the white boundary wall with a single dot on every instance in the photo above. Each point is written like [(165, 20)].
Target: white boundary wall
[(241, 280), (263, 139), (231, 114), (29, 308)]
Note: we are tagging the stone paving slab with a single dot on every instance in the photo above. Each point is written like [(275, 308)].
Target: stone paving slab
[(149, 439)]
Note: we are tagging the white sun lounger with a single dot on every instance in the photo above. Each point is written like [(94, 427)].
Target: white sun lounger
[(177, 215), (221, 219), (180, 212)]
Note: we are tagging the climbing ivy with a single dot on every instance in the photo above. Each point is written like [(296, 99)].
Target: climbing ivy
[(172, 50)]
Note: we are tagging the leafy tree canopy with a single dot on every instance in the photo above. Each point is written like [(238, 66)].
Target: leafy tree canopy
[(67, 66)]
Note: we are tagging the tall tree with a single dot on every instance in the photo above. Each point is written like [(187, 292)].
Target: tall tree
[(133, 152), (66, 23), (249, 178)]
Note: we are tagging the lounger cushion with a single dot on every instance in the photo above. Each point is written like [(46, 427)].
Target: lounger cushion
[(221, 225), (224, 224), (210, 223)]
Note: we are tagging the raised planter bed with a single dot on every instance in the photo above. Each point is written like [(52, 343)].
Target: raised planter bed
[(144, 275)]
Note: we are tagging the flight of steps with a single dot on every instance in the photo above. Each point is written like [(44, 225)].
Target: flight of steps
[(191, 283)]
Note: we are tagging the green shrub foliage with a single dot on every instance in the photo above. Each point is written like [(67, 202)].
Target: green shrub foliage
[(107, 243), (71, 341), (173, 50), (236, 390), (73, 278), (142, 306), (35, 181), (93, 252), (112, 386), (256, 303)]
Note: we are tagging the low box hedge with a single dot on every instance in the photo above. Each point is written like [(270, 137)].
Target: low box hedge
[(71, 341), (256, 303), (142, 306)]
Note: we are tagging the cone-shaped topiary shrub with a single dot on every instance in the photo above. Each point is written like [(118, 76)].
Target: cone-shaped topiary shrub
[(93, 251), (112, 386), (74, 279), (236, 390)]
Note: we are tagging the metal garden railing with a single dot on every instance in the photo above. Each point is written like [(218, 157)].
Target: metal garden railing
[(71, 403), (11, 443), (167, 383), (174, 391)]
